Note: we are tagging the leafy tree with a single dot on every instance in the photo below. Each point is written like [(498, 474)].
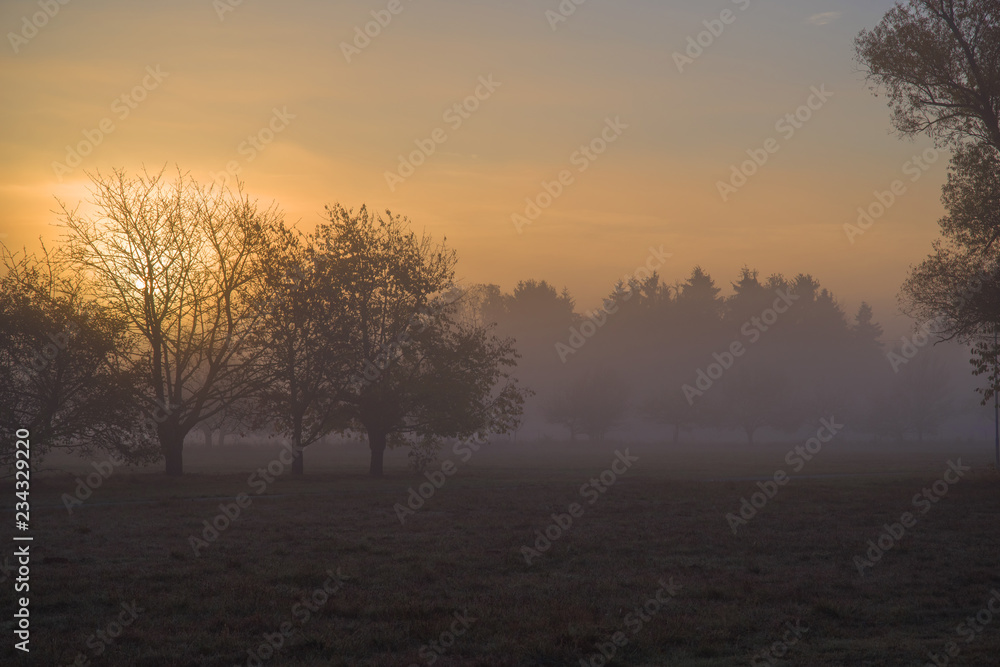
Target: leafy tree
[(58, 373), (939, 63), (179, 264), (300, 343), (419, 369), (958, 285)]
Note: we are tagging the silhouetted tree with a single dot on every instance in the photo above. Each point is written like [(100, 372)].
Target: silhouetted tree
[(419, 369), (59, 377), (958, 285), (698, 301), (593, 404), (866, 330), (301, 343), (179, 264), (939, 63)]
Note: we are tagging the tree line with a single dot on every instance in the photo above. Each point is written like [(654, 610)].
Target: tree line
[(184, 304), (169, 304), (775, 354)]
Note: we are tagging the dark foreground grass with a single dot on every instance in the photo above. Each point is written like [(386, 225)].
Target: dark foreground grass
[(402, 584)]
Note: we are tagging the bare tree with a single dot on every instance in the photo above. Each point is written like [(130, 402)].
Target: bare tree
[(179, 264)]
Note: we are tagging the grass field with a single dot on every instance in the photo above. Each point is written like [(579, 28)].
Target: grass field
[(451, 585)]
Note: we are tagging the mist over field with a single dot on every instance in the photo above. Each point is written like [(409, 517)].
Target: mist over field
[(500, 333)]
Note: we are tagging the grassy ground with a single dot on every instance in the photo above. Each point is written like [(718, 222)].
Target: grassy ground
[(398, 586)]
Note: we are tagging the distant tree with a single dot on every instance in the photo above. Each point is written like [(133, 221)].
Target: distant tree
[(560, 410), (865, 329), (749, 297), (756, 397), (419, 370), (537, 316), (670, 407), (698, 301), (537, 301), (58, 373), (593, 404), (179, 264)]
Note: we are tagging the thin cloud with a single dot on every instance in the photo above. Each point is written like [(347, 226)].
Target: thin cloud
[(824, 18)]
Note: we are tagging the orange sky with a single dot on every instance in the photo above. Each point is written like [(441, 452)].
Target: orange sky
[(657, 184)]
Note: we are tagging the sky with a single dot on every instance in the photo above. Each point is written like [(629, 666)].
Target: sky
[(341, 116)]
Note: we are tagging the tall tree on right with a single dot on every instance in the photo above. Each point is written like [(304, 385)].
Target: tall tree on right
[(939, 63)]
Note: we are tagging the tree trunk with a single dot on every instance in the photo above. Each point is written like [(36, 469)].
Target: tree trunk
[(173, 453), (171, 436), (298, 462), (376, 441)]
